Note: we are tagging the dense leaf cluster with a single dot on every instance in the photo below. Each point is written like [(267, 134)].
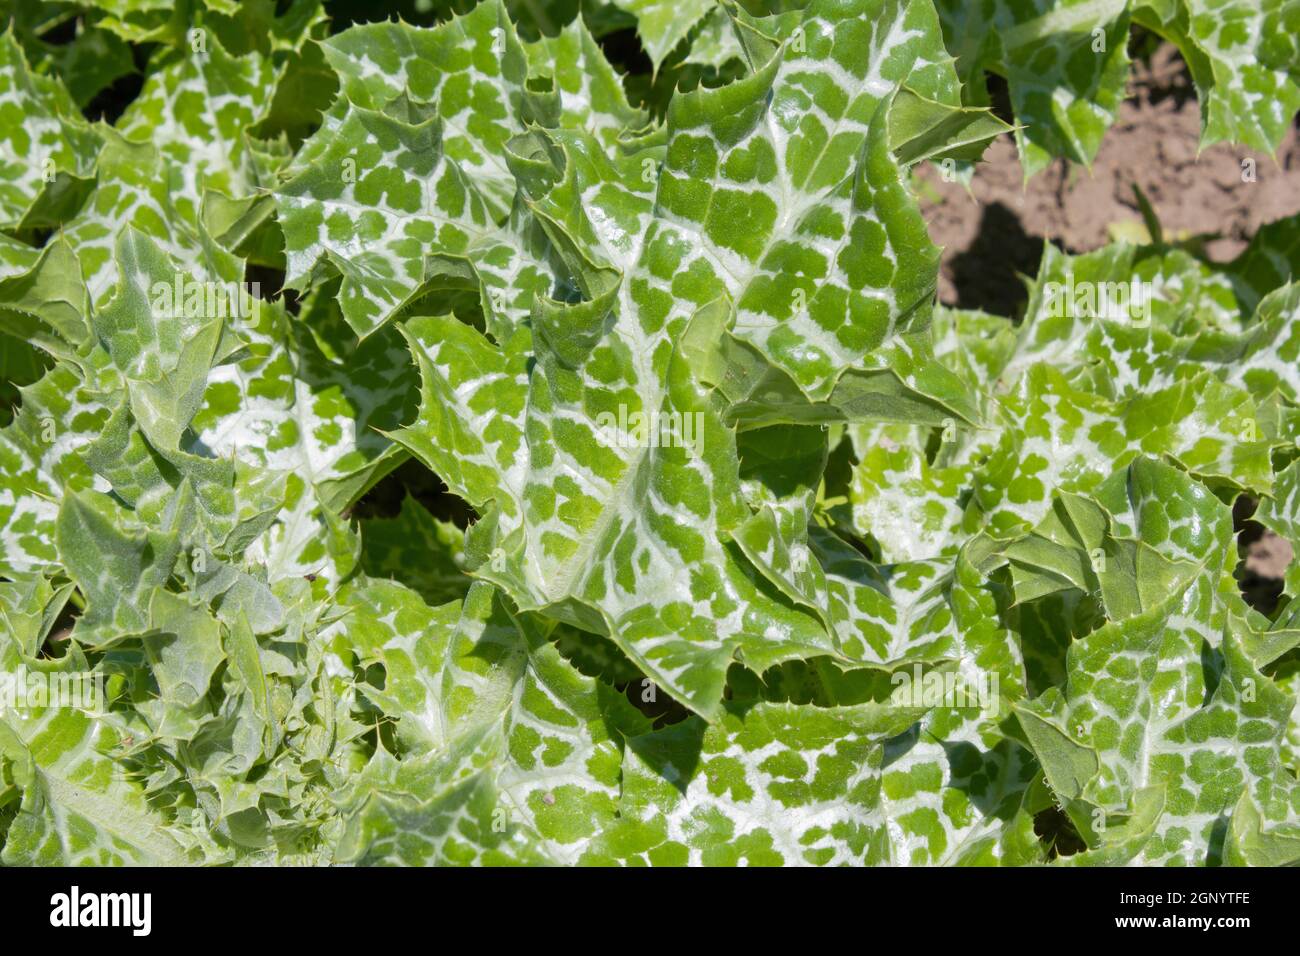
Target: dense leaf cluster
[(771, 559)]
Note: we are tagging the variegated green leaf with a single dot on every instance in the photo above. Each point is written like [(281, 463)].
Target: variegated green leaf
[(1065, 62), (79, 806), (512, 748), (766, 558), (197, 110), (473, 67), (417, 549), (1167, 698), (48, 149), (385, 206), (661, 25)]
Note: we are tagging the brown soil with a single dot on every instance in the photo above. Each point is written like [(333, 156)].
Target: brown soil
[(1269, 556), (993, 235), (996, 231)]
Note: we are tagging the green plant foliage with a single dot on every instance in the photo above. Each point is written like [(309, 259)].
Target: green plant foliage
[(421, 448)]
